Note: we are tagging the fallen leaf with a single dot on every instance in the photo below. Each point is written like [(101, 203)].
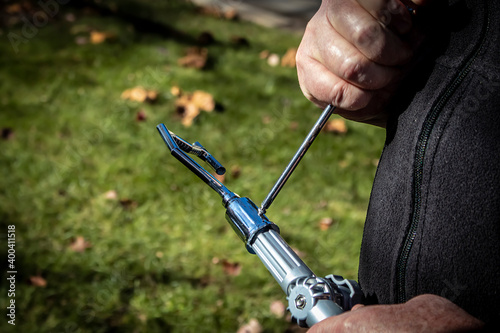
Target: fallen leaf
[(240, 41), (14, 9), (140, 116), (176, 91), (186, 110), (188, 106), (325, 223), (38, 281), (203, 100), (228, 13), (7, 133), (294, 125), (235, 172), (278, 309), (231, 268), (231, 14), (139, 94), (111, 195), (206, 38), (336, 126), (253, 326), (79, 244), (264, 54), (288, 59), (128, 203), (196, 57), (99, 37), (273, 60), (266, 119)]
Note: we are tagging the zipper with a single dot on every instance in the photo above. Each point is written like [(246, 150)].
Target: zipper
[(418, 168)]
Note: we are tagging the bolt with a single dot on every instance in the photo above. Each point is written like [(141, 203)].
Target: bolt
[(300, 302)]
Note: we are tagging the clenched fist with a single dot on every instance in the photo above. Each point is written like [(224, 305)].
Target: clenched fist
[(354, 52)]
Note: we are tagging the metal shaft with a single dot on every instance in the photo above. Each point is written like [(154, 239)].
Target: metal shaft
[(296, 158)]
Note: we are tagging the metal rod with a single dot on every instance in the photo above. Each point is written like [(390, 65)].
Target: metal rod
[(296, 159)]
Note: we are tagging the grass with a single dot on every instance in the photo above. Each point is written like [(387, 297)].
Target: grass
[(151, 265)]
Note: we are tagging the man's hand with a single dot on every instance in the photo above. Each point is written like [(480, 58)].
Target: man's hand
[(352, 55), (424, 313)]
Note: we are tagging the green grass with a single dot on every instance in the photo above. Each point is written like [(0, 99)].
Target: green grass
[(150, 268)]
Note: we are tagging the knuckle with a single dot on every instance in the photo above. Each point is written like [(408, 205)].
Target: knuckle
[(367, 34), (353, 69)]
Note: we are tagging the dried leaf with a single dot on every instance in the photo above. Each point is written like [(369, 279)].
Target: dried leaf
[(231, 14), (186, 109), (38, 281), (235, 172), (206, 38), (294, 125), (273, 60), (111, 195), (195, 57), (240, 41), (176, 91), (336, 126), (188, 106), (7, 133), (99, 37), (278, 308), (140, 116), (228, 13), (203, 100), (79, 244), (139, 94), (264, 54), (128, 204), (325, 223), (288, 59), (14, 9), (253, 326), (231, 268)]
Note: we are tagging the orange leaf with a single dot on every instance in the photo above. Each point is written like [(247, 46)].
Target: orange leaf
[(38, 281), (203, 100), (195, 57), (99, 37), (231, 268), (325, 223), (336, 126), (139, 94), (79, 244), (288, 59)]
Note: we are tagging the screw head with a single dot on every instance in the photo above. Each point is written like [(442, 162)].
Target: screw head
[(300, 302)]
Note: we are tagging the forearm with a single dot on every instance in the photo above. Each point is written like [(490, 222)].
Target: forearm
[(422, 314)]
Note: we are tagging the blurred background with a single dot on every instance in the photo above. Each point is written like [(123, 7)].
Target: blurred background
[(112, 234)]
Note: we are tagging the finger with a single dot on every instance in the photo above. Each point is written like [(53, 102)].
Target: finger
[(324, 87), (391, 13), (372, 39), (348, 63)]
